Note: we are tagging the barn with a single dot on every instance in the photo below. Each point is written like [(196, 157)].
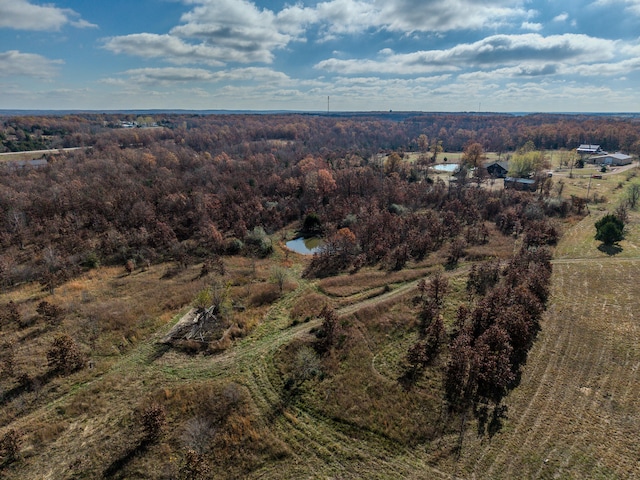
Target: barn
[(614, 159), (588, 149)]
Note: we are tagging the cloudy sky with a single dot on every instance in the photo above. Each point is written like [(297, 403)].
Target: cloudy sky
[(445, 55)]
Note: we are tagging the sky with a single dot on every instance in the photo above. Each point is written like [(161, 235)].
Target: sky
[(341, 55)]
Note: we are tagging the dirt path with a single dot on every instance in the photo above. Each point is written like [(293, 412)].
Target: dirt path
[(318, 444)]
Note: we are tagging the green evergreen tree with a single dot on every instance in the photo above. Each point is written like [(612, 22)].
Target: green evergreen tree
[(609, 229)]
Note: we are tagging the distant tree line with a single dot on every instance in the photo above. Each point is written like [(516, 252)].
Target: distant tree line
[(330, 135)]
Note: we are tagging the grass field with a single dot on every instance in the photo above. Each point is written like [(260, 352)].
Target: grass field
[(575, 414)]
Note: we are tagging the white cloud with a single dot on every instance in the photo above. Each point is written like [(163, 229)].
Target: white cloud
[(169, 76), (177, 75), (15, 63), (235, 27), (498, 50), (173, 49), (343, 17), (534, 27), (617, 69), (238, 31), (561, 18), (253, 74), (429, 16), (23, 15), (632, 6), (407, 64), (215, 32)]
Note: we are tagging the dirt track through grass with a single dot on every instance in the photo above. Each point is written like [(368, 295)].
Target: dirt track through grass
[(317, 444)]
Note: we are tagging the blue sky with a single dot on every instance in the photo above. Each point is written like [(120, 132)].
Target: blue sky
[(453, 55)]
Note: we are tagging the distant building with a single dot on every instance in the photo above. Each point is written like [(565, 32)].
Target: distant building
[(615, 159), (525, 184), (498, 169), (587, 149)]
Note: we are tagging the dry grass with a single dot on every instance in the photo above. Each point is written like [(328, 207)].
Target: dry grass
[(115, 317), (367, 279), (308, 306)]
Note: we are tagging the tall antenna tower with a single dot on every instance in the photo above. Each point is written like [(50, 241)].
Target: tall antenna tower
[(327, 103)]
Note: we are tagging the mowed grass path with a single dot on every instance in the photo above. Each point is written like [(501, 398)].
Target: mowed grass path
[(319, 447)]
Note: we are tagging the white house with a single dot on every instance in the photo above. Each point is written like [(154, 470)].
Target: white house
[(587, 149)]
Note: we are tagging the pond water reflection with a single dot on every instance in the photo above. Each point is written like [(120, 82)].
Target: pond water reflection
[(305, 246), (446, 167)]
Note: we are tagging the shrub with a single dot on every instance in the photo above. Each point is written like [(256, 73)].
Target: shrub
[(397, 209), (129, 266), (153, 419), (279, 276), (259, 242), (10, 445), (212, 264), (234, 246), (306, 365), (312, 224), (203, 299), (8, 366), (64, 356), (91, 260), (10, 313), (309, 305), (197, 435), (50, 313), (328, 333), (195, 467)]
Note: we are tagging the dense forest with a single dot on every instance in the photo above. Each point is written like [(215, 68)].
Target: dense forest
[(196, 185)]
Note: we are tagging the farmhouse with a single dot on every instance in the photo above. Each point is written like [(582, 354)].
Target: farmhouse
[(498, 169), (615, 159), (526, 184), (588, 149)]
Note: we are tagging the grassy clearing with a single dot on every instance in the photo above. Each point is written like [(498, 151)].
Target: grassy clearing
[(24, 156)]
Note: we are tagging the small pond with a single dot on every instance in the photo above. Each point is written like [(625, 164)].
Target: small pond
[(446, 167), (305, 246)]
